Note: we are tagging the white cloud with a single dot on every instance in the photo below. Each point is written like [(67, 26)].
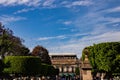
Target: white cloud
[(49, 4), (34, 3), (50, 38), (63, 36), (115, 9), (67, 22), (94, 19), (116, 25), (83, 3), (20, 2), (105, 37), (24, 10), (114, 20), (78, 3), (5, 19), (69, 47)]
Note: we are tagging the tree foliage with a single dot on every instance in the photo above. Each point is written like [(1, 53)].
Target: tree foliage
[(24, 65), (42, 53), (10, 44), (105, 57), (48, 70), (77, 71), (28, 66)]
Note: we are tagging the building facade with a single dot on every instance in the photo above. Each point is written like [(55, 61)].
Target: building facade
[(67, 64)]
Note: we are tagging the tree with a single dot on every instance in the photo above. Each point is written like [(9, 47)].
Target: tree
[(10, 44), (42, 53), (77, 71), (104, 58), (24, 51)]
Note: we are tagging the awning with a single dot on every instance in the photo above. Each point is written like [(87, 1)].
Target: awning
[(67, 74), (61, 74), (72, 74)]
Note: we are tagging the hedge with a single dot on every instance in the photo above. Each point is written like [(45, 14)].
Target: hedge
[(48, 70), (26, 65)]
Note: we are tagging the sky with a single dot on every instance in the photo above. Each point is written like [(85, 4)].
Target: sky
[(62, 26)]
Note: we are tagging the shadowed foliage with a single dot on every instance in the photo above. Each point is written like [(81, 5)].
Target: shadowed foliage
[(24, 65), (42, 53), (10, 44)]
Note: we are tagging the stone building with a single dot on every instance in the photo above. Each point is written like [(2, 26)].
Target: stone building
[(67, 63)]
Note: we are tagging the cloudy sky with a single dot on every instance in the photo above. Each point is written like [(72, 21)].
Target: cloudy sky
[(62, 26)]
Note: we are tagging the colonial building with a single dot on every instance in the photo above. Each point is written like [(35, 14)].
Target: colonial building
[(67, 64)]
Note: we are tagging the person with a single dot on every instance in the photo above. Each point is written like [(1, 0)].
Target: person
[(63, 78), (94, 78)]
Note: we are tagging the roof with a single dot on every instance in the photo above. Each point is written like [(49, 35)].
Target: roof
[(62, 54)]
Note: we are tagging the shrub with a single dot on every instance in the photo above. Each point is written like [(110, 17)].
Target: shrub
[(25, 65)]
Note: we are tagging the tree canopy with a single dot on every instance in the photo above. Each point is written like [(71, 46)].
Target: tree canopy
[(10, 44), (105, 57), (42, 53)]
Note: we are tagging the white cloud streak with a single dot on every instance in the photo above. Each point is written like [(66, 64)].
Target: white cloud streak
[(82, 3), (20, 2), (111, 10), (24, 10), (49, 4), (46, 3), (62, 36), (78, 3), (105, 37), (67, 22), (50, 38), (5, 19)]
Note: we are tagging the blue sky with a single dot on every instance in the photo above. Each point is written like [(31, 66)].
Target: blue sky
[(62, 26)]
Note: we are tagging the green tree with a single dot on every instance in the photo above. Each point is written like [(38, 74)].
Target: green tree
[(10, 44), (104, 57), (77, 71), (42, 53)]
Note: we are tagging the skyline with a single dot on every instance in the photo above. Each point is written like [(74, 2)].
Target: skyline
[(62, 26)]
